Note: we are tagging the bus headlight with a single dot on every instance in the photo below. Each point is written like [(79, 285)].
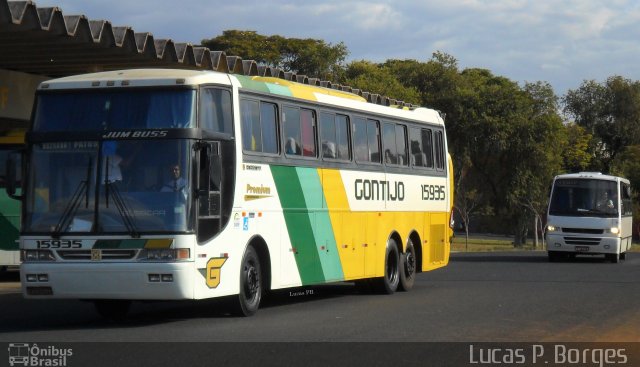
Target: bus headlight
[(551, 228), (178, 254), (615, 230)]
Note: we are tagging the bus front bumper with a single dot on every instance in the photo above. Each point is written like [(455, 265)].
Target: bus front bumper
[(131, 281), (583, 245)]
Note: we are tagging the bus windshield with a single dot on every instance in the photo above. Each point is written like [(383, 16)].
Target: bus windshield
[(138, 186), (584, 197), (98, 110)]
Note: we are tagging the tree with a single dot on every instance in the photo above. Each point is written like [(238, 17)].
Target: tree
[(576, 156), (610, 112), (376, 78), (311, 57)]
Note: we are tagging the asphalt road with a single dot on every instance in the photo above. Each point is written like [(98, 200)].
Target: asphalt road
[(514, 297)]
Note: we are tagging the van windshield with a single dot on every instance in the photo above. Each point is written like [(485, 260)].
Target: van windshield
[(584, 197)]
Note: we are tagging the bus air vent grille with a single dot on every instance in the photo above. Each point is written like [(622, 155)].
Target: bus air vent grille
[(583, 230)]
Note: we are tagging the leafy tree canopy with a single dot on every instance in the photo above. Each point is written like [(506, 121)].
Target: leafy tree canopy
[(311, 57)]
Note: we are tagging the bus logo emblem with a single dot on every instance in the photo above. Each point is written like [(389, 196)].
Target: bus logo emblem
[(96, 255), (214, 266)]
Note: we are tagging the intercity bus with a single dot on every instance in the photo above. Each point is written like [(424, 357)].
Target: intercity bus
[(589, 214), (175, 184), (10, 140)]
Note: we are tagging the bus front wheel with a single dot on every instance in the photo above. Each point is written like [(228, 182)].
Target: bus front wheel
[(250, 295), (614, 258)]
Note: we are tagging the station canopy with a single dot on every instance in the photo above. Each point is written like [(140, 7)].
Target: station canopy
[(45, 41)]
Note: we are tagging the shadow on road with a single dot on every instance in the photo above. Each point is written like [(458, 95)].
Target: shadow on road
[(26, 315), (9, 276), (514, 257)]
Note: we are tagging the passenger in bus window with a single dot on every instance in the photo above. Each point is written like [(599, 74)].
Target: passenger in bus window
[(329, 149), (389, 157), (292, 147)]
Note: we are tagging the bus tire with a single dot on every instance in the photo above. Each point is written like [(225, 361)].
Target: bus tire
[(623, 256), (112, 309), (553, 256), (251, 287), (408, 264), (388, 284), (614, 258)]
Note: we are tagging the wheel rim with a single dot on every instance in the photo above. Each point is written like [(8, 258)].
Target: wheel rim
[(410, 264), (252, 283)]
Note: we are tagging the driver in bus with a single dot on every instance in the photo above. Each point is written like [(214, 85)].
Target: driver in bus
[(605, 203), (176, 183)]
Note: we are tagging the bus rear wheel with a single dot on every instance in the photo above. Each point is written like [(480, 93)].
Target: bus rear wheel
[(388, 284), (408, 267), (250, 294), (112, 309)]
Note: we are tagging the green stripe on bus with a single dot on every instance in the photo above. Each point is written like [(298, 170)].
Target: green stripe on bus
[(249, 83), (299, 228), (279, 89), (322, 230), (8, 233), (9, 221)]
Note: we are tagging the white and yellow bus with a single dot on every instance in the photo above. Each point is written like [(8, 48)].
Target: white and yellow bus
[(174, 184)]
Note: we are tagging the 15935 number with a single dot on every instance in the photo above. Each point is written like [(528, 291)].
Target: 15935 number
[(59, 243), (433, 192)]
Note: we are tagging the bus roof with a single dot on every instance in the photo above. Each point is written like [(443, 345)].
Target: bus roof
[(591, 175), (281, 87)]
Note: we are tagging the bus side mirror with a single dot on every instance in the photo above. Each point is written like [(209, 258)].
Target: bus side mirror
[(14, 174)]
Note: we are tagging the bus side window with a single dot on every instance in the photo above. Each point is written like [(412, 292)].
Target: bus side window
[(373, 139), (417, 157), (401, 144), (328, 135), (334, 130), (215, 110), (625, 192), (389, 142), (251, 136), (439, 150), (427, 147), (292, 134), (308, 130), (259, 126), (361, 151), (342, 137)]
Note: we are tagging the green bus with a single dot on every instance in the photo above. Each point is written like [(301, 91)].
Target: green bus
[(10, 140)]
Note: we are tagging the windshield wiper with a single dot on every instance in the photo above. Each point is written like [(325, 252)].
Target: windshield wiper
[(124, 211), (72, 207)]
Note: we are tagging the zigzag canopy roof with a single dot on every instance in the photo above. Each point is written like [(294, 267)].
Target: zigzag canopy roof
[(47, 42)]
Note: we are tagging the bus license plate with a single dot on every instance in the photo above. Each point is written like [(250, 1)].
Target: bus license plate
[(582, 248)]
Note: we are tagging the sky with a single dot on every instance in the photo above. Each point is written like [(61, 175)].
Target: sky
[(562, 42)]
